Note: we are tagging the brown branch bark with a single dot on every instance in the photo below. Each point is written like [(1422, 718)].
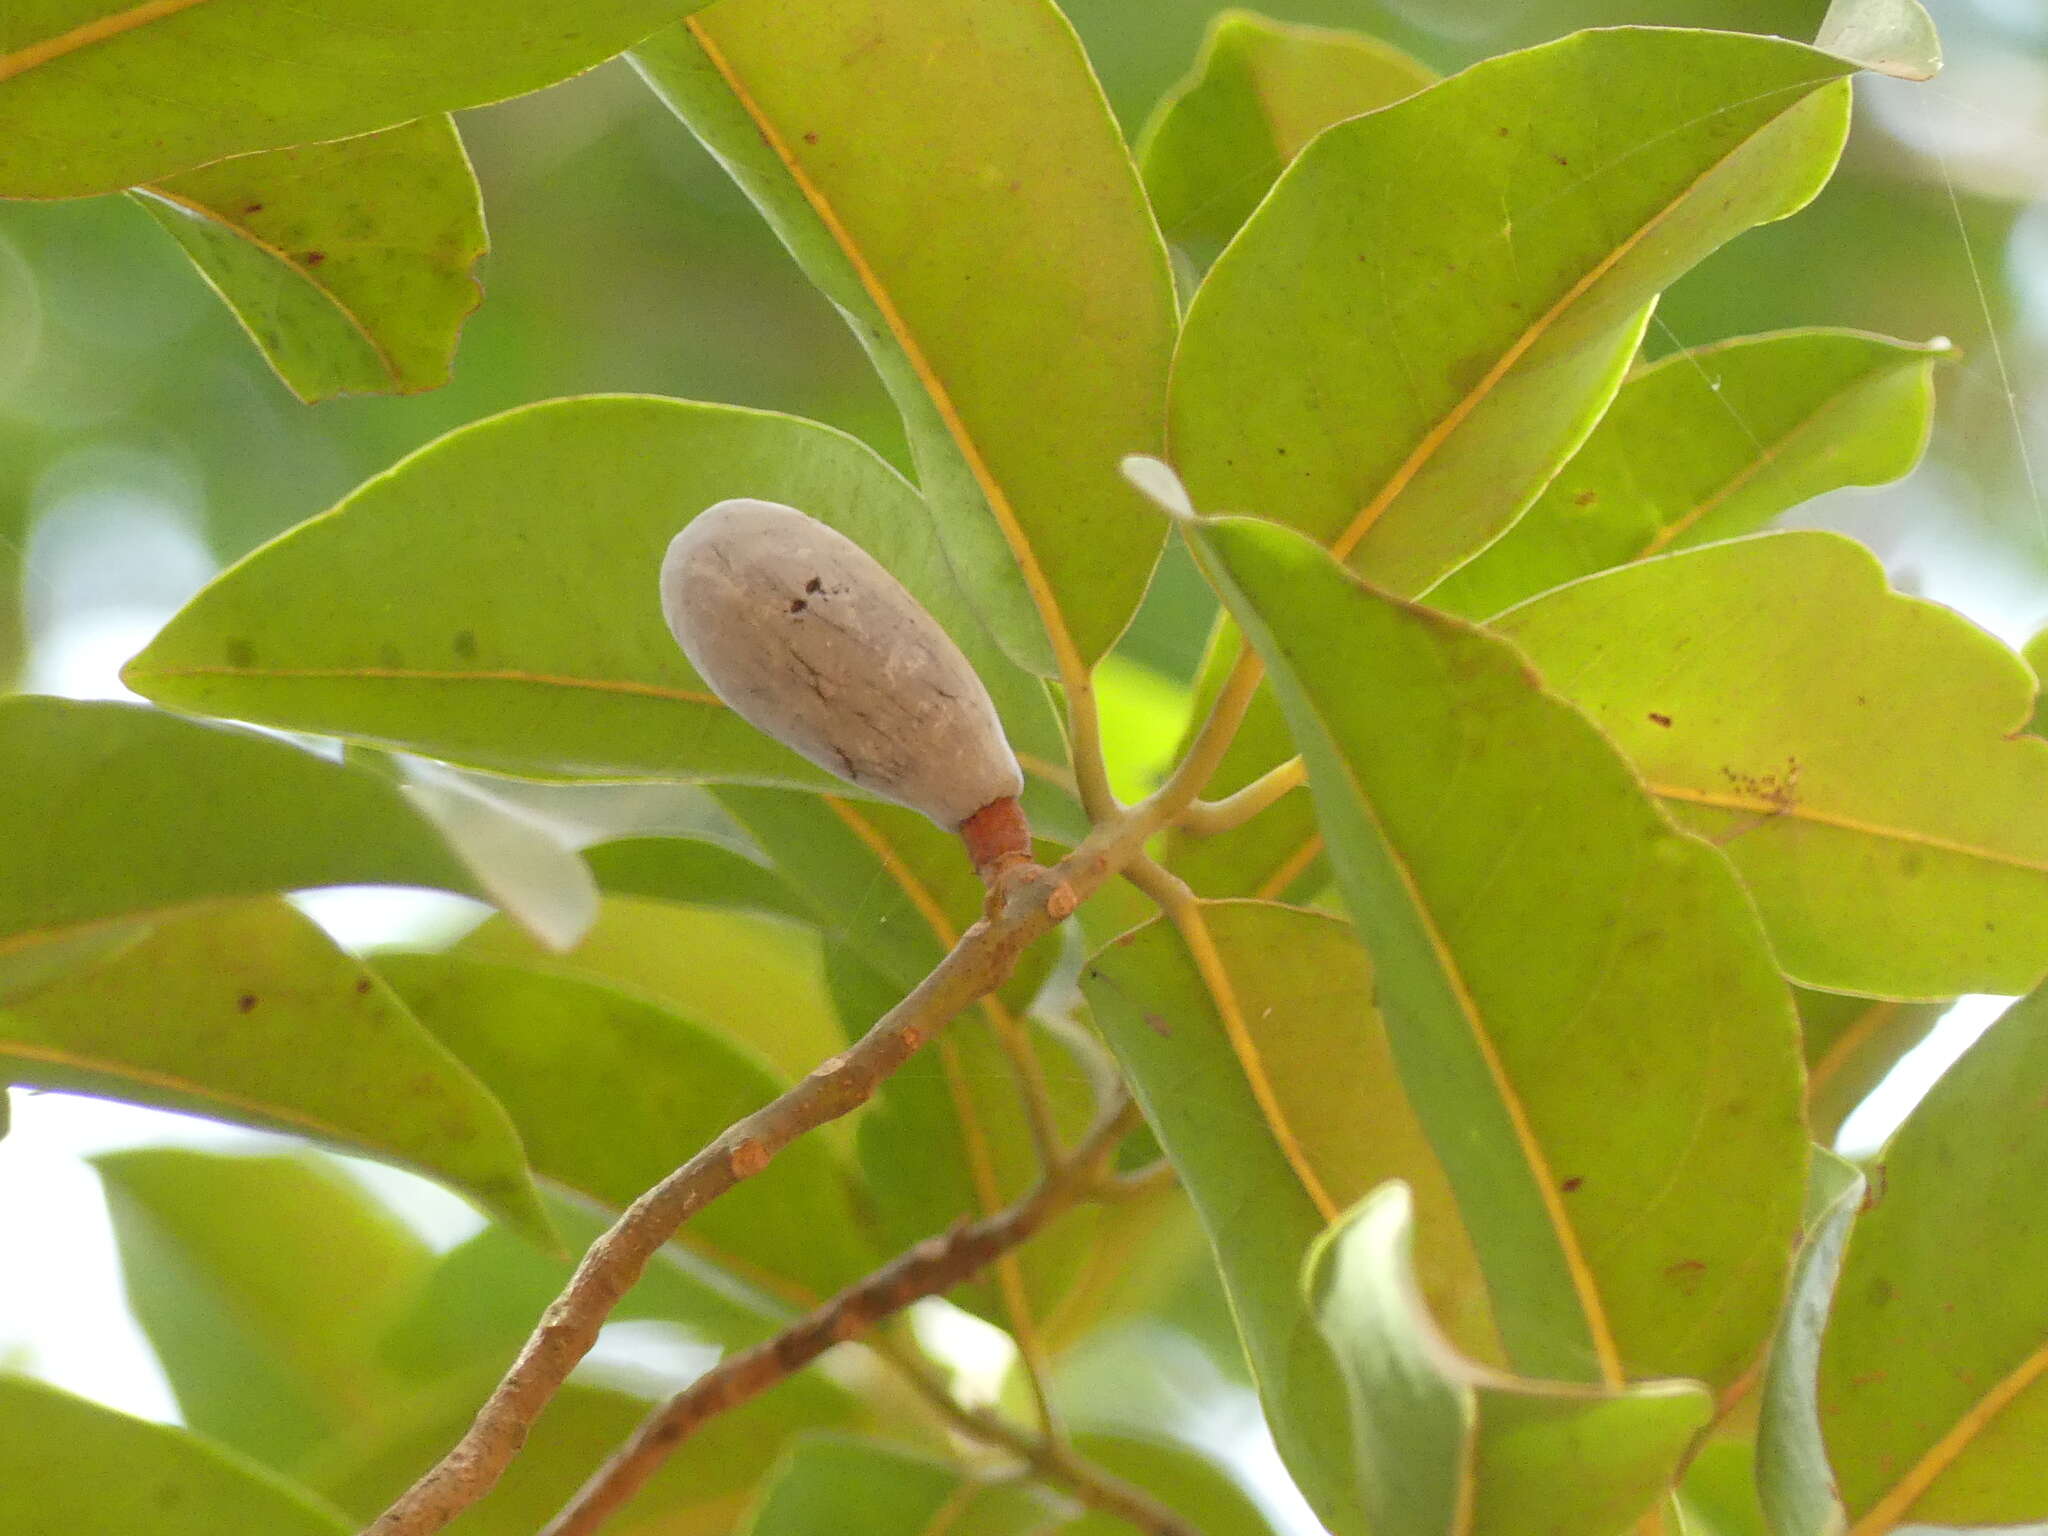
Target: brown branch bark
[(1029, 904), (935, 1265)]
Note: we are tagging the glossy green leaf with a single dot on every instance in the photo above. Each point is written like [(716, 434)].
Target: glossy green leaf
[(1278, 1109), (95, 96), (1558, 968), (477, 1305), (835, 1486), (1260, 90), (263, 1284), (181, 812), (611, 1092), (685, 870), (1709, 444), (702, 1490), (1851, 1043), (1005, 276), (73, 1466), (516, 624), (1446, 1445), (1933, 1376), (348, 263), (247, 1012), (1183, 1479), (1718, 1496), (1794, 1483), (1857, 753), (760, 979), (1437, 301)]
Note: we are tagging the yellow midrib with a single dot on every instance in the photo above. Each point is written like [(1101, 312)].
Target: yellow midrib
[(299, 269), (1434, 439), (430, 675), (1580, 1273), (1943, 1454), (1073, 670), (84, 35), (1800, 811)]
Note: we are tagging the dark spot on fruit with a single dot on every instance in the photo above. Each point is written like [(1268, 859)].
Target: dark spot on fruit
[(1663, 720), (245, 1003), (314, 258), (810, 138), (241, 653), (1502, 132), (1585, 498), (390, 656), (1571, 1185), (814, 586), (798, 606), (1560, 159), (1158, 1025), (1881, 1291), (253, 208), (465, 644)]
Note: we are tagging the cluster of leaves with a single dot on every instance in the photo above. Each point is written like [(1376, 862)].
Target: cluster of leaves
[(1635, 844)]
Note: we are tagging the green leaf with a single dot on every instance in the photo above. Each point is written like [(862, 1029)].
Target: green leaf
[(1260, 90), (703, 1490), (264, 1284), (516, 624), (1447, 1445), (1934, 1371), (761, 979), (181, 812), (247, 1012), (1893, 37), (1184, 1479), (1005, 276), (611, 1092), (2036, 654), (1275, 1095), (1851, 1043), (1857, 753), (1718, 1496), (1437, 301), (70, 1465), (1709, 444), (479, 1302), (1558, 968), (837, 1486), (682, 869), (97, 97), (1793, 1481), (348, 263)]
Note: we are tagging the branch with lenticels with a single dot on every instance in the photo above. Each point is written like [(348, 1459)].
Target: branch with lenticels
[(933, 1266)]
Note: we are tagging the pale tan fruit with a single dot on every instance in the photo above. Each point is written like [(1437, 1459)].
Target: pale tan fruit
[(807, 637)]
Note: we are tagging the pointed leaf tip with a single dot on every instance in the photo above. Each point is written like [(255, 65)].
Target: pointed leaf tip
[(1889, 37), (1157, 481)]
